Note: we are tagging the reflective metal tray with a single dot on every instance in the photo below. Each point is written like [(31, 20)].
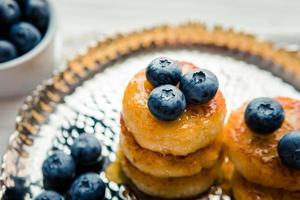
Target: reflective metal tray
[(86, 97)]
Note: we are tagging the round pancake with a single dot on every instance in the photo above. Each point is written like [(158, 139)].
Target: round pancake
[(244, 190), (196, 128), (255, 156), (170, 188), (160, 165)]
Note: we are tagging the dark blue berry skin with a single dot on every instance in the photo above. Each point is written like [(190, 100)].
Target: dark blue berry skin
[(58, 171), (163, 71), (166, 102), (3, 31), (18, 190), (88, 186), (21, 3), (49, 195), (9, 12), (25, 36), (199, 87), (7, 51), (96, 166), (289, 149), (264, 115), (86, 149), (37, 12)]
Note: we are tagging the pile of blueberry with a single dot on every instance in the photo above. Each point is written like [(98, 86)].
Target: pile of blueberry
[(23, 23), (166, 101), (74, 176), (264, 116)]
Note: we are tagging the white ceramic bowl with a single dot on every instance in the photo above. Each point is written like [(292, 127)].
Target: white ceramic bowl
[(21, 75)]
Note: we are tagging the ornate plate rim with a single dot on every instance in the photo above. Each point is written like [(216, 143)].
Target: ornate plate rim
[(47, 95)]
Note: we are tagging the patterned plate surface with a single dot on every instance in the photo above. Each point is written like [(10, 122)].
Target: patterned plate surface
[(86, 99)]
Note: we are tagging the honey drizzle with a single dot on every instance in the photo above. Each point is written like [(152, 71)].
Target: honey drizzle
[(114, 171)]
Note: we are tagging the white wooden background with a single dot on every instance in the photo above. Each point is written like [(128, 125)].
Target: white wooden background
[(81, 21)]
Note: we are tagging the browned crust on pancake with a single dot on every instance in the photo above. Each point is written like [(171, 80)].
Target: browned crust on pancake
[(255, 157), (160, 165), (170, 188), (244, 190)]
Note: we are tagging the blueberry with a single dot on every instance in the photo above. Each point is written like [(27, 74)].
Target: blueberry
[(88, 186), (166, 102), (38, 13), (86, 149), (9, 12), (289, 149), (58, 171), (49, 195), (18, 190), (163, 71), (199, 87), (25, 36), (3, 31), (264, 115), (7, 51), (21, 3)]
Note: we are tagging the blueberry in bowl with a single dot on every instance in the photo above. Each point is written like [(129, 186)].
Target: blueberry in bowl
[(8, 51), (163, 71), (199, 86), (88, 186), (37, 12), (25, 36), (58, 170), (166, 102), (49, 195), (9, 12), (24, 23), (29, 25), (86, 151)]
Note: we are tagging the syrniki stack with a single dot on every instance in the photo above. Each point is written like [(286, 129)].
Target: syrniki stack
[(173, 114)]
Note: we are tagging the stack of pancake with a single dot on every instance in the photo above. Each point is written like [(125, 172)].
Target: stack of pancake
[(170, 159), (259, 173)]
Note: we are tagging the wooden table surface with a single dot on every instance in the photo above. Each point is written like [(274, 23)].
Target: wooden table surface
[(81, 21)]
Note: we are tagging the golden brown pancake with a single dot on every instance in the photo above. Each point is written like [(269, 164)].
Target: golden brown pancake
[(157, 164), (170, 188), (244, 190), (255, 156), (196, 128)]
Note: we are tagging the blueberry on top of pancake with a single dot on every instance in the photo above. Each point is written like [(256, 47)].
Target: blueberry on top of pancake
[(199, 86), (166, 102), (264, 115), (289, 149), (163, 71)]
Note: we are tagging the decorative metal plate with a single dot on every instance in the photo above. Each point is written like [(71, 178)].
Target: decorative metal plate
[(86, 97)]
